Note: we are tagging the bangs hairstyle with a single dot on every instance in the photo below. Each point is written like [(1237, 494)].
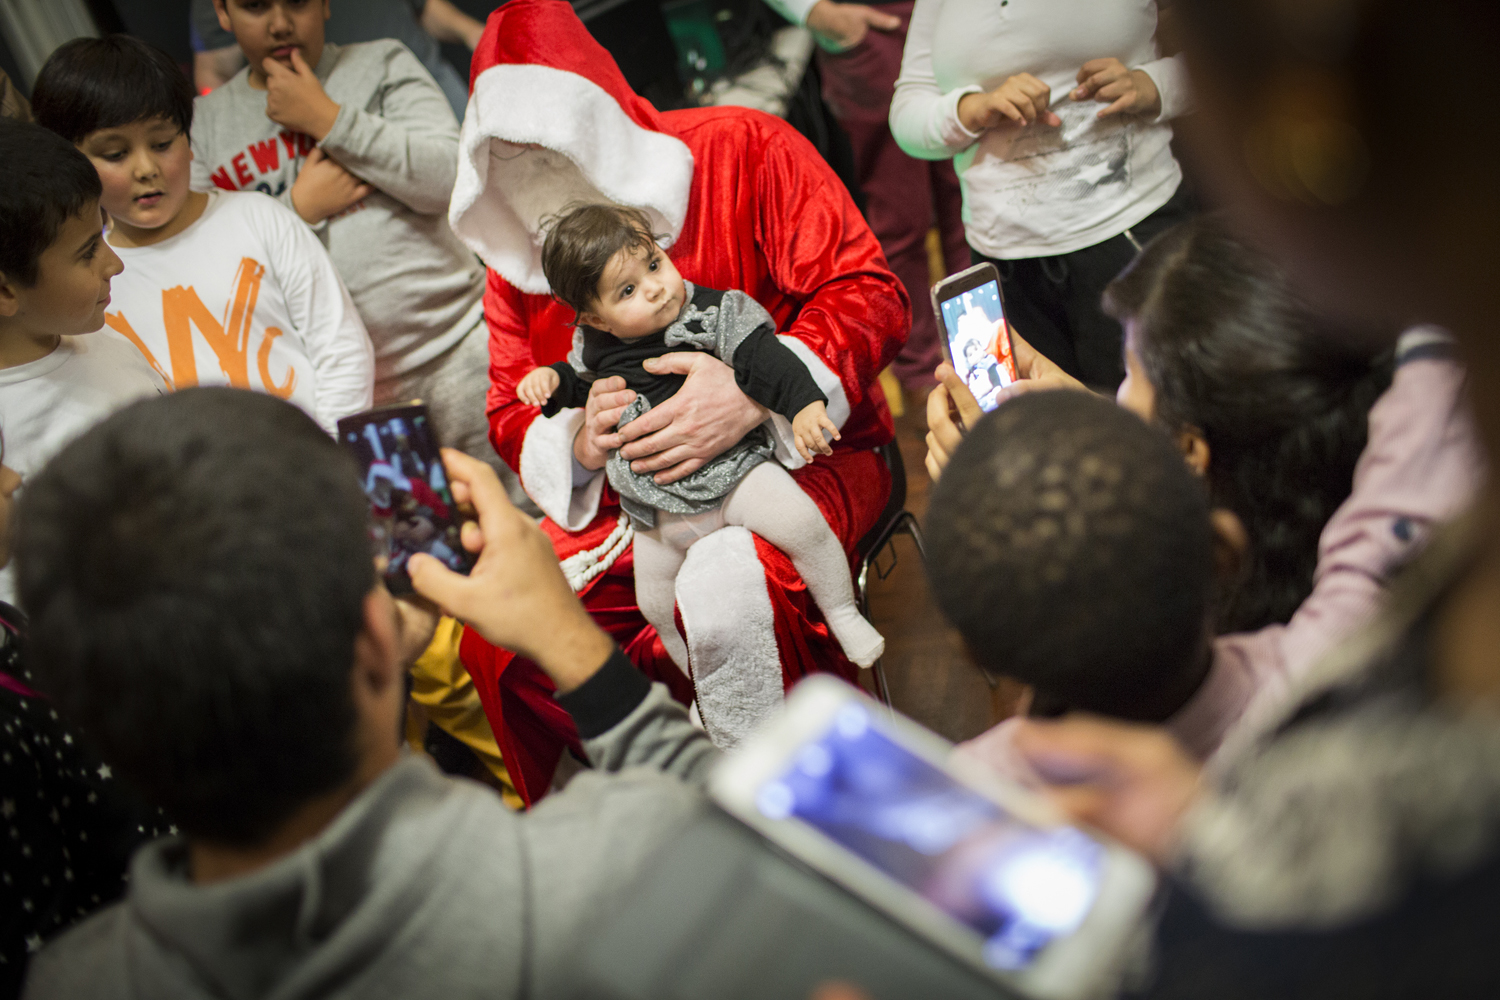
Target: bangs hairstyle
[(95, 83), (47, 182), (580, 244)]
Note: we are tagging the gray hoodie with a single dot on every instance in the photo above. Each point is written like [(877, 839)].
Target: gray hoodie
[(416, 286), (423, 886)]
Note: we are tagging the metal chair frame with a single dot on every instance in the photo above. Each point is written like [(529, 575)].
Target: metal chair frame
[(894, 520)]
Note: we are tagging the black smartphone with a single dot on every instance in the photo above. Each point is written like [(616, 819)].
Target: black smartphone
[(411, 506), (976, 337)]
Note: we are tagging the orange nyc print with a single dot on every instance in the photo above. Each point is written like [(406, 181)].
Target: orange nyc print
[(229, 338)]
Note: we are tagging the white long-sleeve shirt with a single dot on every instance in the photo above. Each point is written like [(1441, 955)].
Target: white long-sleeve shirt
[(1039, 190), (247, 296)]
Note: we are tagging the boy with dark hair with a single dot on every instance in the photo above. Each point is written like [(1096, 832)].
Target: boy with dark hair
[(225, 640), (361, 143), (55, 272), (1073, 549), (269, 310)]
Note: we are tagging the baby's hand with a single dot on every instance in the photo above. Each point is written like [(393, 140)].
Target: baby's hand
[(808, 428), (538, 386)]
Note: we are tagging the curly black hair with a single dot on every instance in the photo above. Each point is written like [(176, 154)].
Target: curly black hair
[(1071, 546)]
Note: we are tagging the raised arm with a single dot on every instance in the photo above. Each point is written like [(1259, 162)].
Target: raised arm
[(406, 146), (924, 119)]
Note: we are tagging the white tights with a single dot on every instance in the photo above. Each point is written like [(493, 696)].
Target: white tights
[(769, 503)]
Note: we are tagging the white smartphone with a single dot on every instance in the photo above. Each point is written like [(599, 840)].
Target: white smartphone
[(981, 866), (976, 336)]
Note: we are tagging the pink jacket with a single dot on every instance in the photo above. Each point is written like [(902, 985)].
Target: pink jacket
[(1421, 466)]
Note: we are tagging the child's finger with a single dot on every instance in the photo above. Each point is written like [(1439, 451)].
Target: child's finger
[(802, 449), (299, 64)]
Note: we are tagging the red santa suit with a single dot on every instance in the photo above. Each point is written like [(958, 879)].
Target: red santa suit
[(746, 203)]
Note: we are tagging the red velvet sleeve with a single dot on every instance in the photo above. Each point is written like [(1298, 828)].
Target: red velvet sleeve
[(855, 313), (526, 331)]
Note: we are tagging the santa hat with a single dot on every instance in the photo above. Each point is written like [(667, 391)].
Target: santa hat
[(540, 80)]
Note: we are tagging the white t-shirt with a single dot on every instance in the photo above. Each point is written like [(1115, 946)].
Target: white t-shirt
[(46, 403), (246, 296), (1040, 190)]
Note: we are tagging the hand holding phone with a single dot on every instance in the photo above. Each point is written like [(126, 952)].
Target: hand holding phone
[(411, 506), (976, 337)]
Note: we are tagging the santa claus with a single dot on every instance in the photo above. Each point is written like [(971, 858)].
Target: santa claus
[(743, 202)]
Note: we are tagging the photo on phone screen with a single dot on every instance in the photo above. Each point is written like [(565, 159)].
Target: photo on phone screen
[(978, 341), (411, 506), (1018, 886)]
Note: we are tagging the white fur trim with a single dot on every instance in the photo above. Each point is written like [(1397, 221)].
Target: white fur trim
[(504, 190), (783, 441), (547, 471), (582, 567), (731, 634)]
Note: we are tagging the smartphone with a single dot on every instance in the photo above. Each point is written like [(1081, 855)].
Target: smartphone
[(411, 506), (976, 337), (981, 866)]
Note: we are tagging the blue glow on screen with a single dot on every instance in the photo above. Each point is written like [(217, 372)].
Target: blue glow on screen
[(1018, 886)]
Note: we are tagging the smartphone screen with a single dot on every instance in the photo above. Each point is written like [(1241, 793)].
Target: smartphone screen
[(978, 341), (1018, 886), (411, 506)]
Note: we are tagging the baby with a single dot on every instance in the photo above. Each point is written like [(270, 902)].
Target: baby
[(633, 305)]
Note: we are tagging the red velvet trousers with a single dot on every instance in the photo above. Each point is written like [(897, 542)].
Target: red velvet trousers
[(849, 487)]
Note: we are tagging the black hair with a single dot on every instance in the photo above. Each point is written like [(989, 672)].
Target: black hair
[(195, 569), (1070, 545), (581, 242), (47, 182), (94, 83), (1282, 399)]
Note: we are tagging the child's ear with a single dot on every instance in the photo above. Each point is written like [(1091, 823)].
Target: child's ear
[(1231, 543), (223, 14), (1194, 448), (594, 320), (10, 299)]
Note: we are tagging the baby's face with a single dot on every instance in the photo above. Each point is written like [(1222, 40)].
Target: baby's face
[(639, 293)]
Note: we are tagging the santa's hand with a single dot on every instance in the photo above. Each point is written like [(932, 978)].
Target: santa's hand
[(538, 386), (516, 596), (703, 419), (808, 427), (608, 398)]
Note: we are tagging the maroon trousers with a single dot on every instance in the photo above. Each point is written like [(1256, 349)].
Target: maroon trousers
[(904, 197)]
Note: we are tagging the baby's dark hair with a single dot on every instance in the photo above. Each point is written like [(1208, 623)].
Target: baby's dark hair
[(1071, 547), (47, 182), (94, 83), (580, 244), (1282, 400)]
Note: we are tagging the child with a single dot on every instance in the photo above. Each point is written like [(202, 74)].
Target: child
[(268, 308), (55, 271), (72, 826), (633, 305), (361, 143), (1073, 550)]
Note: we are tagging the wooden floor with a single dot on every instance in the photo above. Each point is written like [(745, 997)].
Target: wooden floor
[(931, 677)]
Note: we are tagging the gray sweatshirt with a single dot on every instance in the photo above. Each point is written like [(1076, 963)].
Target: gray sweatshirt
[(424, 886), (416, 286)]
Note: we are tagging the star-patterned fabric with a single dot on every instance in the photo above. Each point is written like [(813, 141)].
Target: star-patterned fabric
[(67, 826)]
